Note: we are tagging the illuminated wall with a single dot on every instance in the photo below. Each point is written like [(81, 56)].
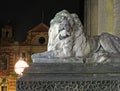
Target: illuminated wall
[(99, 16)]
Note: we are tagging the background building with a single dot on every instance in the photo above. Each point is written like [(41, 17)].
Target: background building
[(10, 50)]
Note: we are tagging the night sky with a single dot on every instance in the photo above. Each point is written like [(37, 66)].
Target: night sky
[(26, 14)]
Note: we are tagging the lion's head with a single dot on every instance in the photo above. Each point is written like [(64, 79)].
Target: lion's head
[(60, 28), (64, 30)]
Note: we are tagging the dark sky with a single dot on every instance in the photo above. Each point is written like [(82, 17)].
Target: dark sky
[(25, 14)]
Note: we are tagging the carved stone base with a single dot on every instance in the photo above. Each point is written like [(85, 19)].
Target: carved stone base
[(93, 85), (70, 77)]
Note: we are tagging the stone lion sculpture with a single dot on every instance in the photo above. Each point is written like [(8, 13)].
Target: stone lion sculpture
[(67, 39)]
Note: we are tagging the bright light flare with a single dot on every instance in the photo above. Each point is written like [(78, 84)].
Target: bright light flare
[(20, 66)]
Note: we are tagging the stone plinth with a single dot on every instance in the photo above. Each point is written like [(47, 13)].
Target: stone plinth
[(70, 76)]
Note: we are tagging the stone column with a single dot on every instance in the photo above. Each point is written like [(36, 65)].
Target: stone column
[(117, 17), (91, 17), (99, 16), (105, 16)]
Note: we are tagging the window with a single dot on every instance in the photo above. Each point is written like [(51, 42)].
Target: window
[(41, 40), (7, 35), (4, 63), (3, 88)]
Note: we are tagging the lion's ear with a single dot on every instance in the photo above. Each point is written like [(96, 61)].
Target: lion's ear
[(51, 21)]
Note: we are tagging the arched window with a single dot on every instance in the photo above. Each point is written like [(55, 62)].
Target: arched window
[(7, 35), (4, 62)]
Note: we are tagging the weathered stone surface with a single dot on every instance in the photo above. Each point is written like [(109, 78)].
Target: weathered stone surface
[(67, 39), (70, 77)]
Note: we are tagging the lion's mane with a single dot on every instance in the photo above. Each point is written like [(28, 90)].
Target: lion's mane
[(66, 37)]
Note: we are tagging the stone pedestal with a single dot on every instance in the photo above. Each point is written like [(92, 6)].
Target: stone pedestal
[(70, 76)]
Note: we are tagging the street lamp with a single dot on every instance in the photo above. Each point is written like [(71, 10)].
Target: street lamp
[(20, 66)]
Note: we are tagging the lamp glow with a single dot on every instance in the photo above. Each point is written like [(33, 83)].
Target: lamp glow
[(20, 66)]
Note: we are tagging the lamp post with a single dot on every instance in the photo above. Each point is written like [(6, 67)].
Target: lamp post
[(20, 66)]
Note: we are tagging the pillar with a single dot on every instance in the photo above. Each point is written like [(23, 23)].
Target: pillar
[(99, 17), (105, 16), (91, 17), (117, 17)]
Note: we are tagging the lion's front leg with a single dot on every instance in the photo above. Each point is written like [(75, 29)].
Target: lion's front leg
[(47, 54), (52, 54)]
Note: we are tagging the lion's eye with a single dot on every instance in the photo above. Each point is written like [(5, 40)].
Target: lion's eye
[(62, 18), (61, 27)]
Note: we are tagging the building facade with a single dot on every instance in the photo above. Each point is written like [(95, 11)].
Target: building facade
[(10, 51)]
